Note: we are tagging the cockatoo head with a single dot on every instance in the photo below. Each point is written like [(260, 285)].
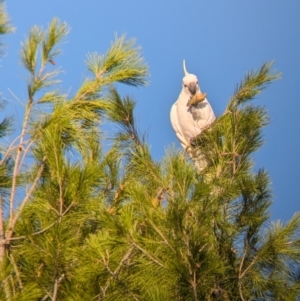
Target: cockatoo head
[(190, 82)]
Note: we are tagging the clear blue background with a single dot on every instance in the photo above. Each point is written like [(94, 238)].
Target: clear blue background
[(220, 40)]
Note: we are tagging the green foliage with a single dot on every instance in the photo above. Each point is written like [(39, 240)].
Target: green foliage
[(122, 63), (30, 48), (55, 33), (252, 85), (104, 221), (5, 26)]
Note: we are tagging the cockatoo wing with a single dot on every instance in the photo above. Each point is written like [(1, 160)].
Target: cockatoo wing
[(203, 114), (176, 126)]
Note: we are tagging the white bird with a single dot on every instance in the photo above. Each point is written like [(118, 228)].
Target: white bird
[(188, 121)]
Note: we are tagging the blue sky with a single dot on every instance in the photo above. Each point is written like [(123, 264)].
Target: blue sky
[(220, 40)]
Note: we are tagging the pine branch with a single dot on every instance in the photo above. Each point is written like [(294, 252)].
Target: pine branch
[(115, 274), (120, 111), (17, 271), (122, 63), (56, 32), (5, 127), (5, 24), (38, 80), (2, 236), (147, 254), (253, 83), (117, 270), (17, 165), (30, 49), (15, 217), (56, 284), (34, 233), (161, 235), (7, 289)]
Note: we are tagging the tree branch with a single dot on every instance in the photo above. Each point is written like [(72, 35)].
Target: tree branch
[(12, 260), (17, 163), (147, 254), (115, 273), (121, 283), (55, 289), (162, 236), (2, 237), (24, 202)]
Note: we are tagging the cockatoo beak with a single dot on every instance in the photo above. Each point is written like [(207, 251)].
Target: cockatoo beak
[(192, 88)]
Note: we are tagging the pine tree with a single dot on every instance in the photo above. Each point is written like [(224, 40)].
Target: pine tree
[(175, 234), (101, 220)]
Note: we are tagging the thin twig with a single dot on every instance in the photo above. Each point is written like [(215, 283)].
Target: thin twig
[(51, 208), (2, 238), (61, 199), (45, 229), (10, 148), (121, 283), (46, 296), (56, 283), (39, 248), (17, 164), (147, 254), (12, 284), (68, 209), (25, 151), (115, 273), (35, 233), (12, 260), (242, 262), (7, 290), (25, 200), (241, 275), (15, 96), (240, 291), (15, 238), (194, 284), (125, 257), (162, 236)]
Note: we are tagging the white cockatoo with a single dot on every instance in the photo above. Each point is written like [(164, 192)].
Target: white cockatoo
[(190, 115)]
